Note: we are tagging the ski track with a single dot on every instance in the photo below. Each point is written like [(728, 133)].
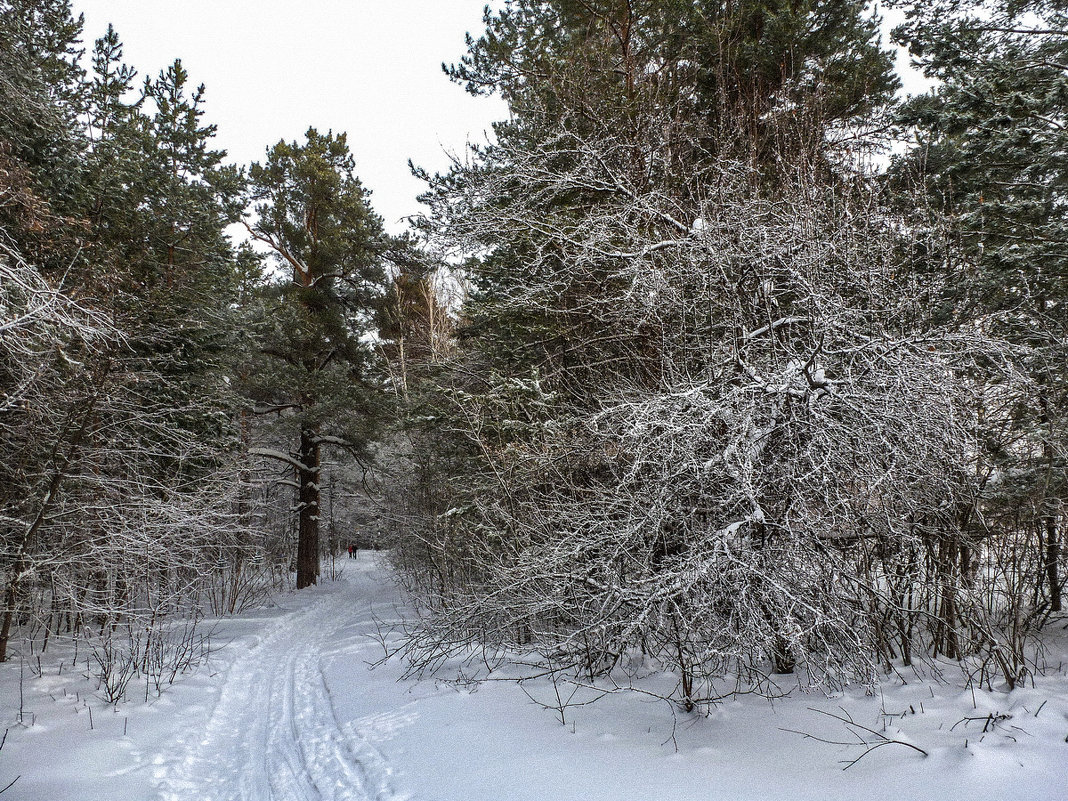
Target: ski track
[(273, 735)]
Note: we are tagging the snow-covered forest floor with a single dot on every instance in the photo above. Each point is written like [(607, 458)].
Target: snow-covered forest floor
[(287, 708)]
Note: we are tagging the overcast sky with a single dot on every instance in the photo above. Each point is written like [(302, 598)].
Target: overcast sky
[(274, 67), (369, 67)]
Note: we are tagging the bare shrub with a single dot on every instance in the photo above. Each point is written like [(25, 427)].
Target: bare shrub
[(747, 447)]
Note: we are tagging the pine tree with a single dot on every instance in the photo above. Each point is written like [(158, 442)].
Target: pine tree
[(41, 90), (318, 369), (41, 136), (157, 199), (763, 72), (674, 87), (116, 198), (992, 154)]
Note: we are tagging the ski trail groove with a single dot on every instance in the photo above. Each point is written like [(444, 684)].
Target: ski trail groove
[(273, 735)]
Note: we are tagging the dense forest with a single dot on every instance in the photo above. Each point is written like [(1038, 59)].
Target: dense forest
[(720, 357)]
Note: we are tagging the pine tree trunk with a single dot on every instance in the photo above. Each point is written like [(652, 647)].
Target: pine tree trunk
[(10, 595), (1048, 526), (1053, 556), (308, 530)]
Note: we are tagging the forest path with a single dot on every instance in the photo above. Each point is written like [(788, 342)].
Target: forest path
[(273, 734)]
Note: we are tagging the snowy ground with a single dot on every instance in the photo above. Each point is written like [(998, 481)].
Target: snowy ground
[(289, 711)]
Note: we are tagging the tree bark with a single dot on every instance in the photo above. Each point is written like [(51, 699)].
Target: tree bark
[(308, 530), (1048, 526), (1053, 556)]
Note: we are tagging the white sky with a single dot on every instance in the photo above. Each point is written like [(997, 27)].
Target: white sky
[(273, 68), (369, 67)]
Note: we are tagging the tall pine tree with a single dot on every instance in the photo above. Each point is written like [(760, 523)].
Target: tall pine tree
[(317, 372)]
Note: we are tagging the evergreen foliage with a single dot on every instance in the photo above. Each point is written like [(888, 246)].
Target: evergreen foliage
[(318, 370), (118, 429), (992, 152), (730, 72)]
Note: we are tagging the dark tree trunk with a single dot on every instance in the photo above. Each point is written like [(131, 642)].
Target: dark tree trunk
[(948, 564), (1048, 526), (10, 593), (308, 530), (1053, 556)]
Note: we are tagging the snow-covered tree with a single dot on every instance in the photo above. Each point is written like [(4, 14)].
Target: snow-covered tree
[(764, 420), (992, 152), (314, 370)]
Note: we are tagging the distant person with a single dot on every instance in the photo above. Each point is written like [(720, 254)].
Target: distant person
[(352, 552)]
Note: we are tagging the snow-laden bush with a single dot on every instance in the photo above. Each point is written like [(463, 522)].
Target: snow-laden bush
[(745, 446)]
